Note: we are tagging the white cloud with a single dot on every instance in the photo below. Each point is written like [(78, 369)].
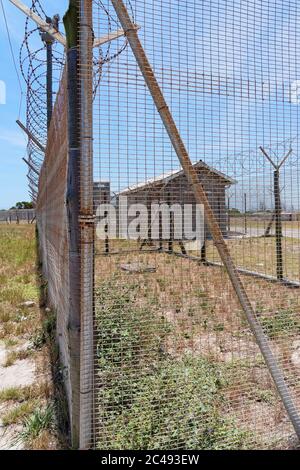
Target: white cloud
[(12, 137)]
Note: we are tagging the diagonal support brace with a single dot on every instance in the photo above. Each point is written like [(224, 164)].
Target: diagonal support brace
[(48, 28), (31, 136), (56, 35), (111, 36), (201, 198), (31, 166)]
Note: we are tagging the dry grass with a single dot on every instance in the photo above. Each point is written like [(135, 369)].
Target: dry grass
[(19, 326), (259, 254), (237, 223), (21, 394), (204, 319), (17, 414), (18, 281), (13, 356), (44, 441), (254, 253)]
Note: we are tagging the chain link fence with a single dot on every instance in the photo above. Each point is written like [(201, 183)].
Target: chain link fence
[(179, 324), (17, 216)]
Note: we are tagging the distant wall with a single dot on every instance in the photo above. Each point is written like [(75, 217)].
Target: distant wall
[(17, 215)]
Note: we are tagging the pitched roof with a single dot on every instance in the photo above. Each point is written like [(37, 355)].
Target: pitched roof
[(167, 177)]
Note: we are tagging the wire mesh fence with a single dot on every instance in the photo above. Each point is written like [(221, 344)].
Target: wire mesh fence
[(190, 315), (33, 65), (176, 364), (17, 216), (53, 231)]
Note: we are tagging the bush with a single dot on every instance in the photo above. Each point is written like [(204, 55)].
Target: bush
[(45, 333), (176, 405)]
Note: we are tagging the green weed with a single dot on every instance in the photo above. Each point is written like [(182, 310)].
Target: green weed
[(18, 413), (39, 420), (147, 399), (281, 323)]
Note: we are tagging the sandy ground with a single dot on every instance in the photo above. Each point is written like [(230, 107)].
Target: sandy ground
[(22, 373), (257, 231)]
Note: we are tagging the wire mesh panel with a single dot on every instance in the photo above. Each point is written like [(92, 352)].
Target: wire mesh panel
[(52, 225), (176, 362), (65, 217)]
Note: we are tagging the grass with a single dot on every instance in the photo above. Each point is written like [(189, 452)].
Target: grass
[(39, 421), (147, 399), (176, 404), (252, 253), (259, 254), (164, 339), (18, 280), (237, 223), (28, 406), (18, 413), (13, 356), (38, 424), (10, 342), (21, 394), (185, 319), (281, 323), (45, 333)]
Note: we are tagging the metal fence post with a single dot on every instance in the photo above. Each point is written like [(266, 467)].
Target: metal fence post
[(278, 226), (86, 220), (73, 194), (49, 44), (201, 198)]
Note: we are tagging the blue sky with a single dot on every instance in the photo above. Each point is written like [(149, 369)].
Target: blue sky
[(246, 45), (236, 40), (13, 182)]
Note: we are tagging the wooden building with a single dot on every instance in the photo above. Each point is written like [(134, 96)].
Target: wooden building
[(174, 188), (101, 193)]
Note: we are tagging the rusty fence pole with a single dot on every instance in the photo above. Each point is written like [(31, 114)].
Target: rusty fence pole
[(278, 225), (73, 194), (245, 214), (131, 33), (87, 224), (277, 211)]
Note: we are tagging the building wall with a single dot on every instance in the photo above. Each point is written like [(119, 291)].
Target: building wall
[(101, 193), (179, 191)]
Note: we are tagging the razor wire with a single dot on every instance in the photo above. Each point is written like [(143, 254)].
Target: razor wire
[(33, 65)]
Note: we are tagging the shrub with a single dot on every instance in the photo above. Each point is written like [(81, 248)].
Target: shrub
[(177, 404), (147, 399), (38, 421)]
